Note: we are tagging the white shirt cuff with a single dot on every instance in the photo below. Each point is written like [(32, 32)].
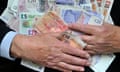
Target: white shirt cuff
[(6, 44)]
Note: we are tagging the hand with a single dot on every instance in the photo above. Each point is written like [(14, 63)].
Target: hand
[(100, 39), (47, 50)]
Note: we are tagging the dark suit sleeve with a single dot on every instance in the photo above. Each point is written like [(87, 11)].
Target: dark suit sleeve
[(3, 29), (115, 13)]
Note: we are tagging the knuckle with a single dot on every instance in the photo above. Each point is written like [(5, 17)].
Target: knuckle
[(101, 41), (102, 29), (51, 64), (89, 40)]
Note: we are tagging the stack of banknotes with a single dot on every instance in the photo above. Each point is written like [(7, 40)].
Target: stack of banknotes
[(43, 16)]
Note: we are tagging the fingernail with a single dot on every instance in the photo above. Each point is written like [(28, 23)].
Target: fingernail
[(87, 55), (82, 69), (88, 63)]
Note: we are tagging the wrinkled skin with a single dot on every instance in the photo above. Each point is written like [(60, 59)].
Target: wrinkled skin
[(47, 50), (102, 39)]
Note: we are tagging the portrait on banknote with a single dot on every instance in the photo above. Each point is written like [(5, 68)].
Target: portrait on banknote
[(70, 16)]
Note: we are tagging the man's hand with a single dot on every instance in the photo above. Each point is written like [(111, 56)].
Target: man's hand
[(100, 39), (47, 50)]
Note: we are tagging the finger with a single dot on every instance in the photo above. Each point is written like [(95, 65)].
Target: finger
[(91, 52), (91, 49), (76, 52), (75, 60), (71, 67), (85, 28), (88, 39), (61, 69), (55, 34)]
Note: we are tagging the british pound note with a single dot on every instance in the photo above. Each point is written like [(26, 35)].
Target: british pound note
[(32, 65), (27, 22), (32, 5), (50, 22), (28, 6), (14, 6), (107, 8), (65, 2), (80, 16), (85, 4), (100, 6), (7, 15), (94, 5)]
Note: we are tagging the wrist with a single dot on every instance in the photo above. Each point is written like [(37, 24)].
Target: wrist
[(17, 46)]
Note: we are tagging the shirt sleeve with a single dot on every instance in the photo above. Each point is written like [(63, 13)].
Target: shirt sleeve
[(5, 45)]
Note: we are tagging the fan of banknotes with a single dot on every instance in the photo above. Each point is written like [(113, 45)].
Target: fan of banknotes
[(43, 16)]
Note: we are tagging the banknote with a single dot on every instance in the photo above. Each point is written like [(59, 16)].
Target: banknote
[(82, 4), (51, 5), (107, 8), (27, 22), (70, 16), (78, 16), (6, 15), (32, 5), (14, 6), (28, 6), (21, 6), (85, 4), (94, 5), (65, 2), (43, 4), (10, 12), (100, 5), (50, 22), (110, 20), (40, 6), (32, 65), (10, 15), (10, 2), (100, 63)]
